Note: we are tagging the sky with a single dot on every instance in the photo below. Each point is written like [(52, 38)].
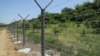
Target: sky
[(10, 8)]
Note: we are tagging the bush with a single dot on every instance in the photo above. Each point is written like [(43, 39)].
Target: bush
[(34, 37)]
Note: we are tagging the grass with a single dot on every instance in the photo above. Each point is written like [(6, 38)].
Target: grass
[(70, 39), (1, 28)]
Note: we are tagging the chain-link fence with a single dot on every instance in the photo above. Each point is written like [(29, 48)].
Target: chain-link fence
[(66, 39)]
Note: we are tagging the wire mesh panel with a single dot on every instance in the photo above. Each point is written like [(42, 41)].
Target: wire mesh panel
[(64, 39), (72, 41)]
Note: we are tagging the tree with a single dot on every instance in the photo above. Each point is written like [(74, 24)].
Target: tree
[(2, 25), (66, 14)]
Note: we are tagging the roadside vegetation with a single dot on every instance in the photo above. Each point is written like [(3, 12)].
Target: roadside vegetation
[(2, 26)]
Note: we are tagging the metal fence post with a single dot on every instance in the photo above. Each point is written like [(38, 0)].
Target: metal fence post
[(24, 36), (14, 29), (23, 33), (17, 31), (43, 26)]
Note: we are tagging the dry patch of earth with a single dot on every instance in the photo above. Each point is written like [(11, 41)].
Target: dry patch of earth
[(7, 47)]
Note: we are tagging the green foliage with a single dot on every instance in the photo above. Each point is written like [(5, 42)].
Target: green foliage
[(66, 14), (56, 31), (33, 37), (2, 25), (73, 32)]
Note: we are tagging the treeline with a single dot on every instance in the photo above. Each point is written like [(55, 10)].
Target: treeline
[(88, 13), (2, 25)]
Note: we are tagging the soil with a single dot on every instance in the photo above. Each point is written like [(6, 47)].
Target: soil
[(7, 47)]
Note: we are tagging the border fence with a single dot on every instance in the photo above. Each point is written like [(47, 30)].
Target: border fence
[(72, 38), (62, 40)]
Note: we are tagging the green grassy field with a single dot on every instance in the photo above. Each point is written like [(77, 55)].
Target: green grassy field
[(69, 39)]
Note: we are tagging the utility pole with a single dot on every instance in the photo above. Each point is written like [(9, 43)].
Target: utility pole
[(43, 26), (24, 36)]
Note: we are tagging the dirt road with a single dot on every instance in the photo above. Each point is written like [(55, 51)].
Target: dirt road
[(7, 46)]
